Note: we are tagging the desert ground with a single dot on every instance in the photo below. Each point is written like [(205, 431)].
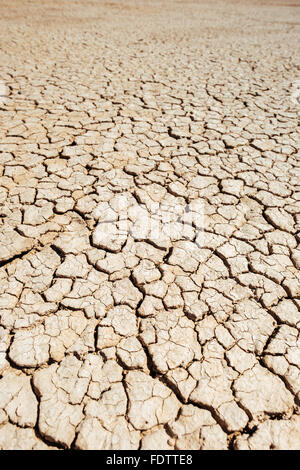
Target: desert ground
[(149, 209)]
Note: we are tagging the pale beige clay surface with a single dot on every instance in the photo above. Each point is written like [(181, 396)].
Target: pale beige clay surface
[(188, 341)]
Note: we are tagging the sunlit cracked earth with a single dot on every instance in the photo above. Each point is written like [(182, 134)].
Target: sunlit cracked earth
[(185, 339)]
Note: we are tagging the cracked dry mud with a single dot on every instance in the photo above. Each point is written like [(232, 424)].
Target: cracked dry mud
[(189, 340)]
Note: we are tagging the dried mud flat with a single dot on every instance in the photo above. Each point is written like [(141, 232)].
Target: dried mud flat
[(186, 340)]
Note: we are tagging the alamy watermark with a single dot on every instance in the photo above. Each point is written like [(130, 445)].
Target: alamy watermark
[(159, 222)]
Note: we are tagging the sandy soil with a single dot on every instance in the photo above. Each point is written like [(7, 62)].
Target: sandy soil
[(149, 209)]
